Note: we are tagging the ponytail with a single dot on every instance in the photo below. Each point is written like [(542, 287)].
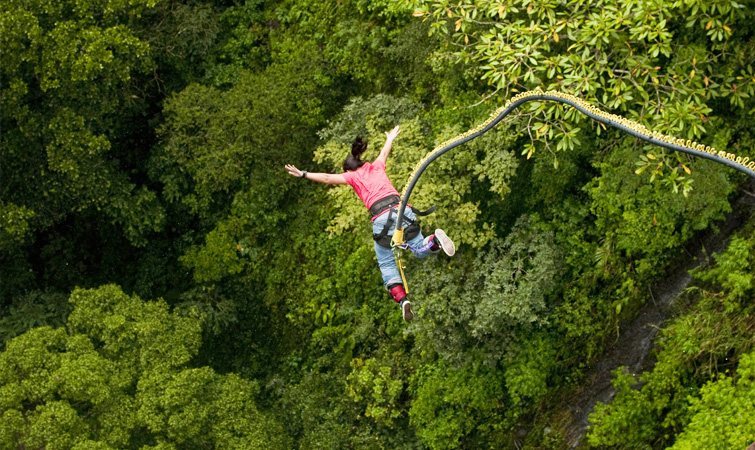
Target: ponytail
[(354, 162)]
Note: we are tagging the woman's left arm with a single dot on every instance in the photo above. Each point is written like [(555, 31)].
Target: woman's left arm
[(389, 137), (326, 178)]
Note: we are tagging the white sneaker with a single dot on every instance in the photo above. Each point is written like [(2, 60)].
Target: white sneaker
[(445, 242), (406, 310)]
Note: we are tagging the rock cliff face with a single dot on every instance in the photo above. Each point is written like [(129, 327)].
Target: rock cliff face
[(636, 338)]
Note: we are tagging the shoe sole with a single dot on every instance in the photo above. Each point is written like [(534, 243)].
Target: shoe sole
[(445, 242), (406, 310)]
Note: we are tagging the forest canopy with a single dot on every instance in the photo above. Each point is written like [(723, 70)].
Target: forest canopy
[(165, 284)]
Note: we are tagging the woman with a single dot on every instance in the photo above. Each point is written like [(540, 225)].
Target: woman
[(373, 187)]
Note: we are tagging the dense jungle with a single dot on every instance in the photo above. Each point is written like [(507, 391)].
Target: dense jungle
[(166, 285)]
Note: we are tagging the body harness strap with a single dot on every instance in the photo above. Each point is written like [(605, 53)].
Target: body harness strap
[(411, 230)]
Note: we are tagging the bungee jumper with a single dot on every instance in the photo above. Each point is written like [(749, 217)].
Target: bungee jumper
[(374, 188)]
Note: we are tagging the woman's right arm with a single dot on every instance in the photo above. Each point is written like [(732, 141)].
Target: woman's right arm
[(326, 178)]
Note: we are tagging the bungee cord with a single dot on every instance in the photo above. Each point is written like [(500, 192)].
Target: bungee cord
[(744, 165)]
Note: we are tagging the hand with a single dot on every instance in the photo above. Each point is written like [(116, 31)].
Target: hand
[(292, 170), (391, 135)]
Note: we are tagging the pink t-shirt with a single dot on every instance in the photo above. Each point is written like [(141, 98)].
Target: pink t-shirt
[(370, 183)]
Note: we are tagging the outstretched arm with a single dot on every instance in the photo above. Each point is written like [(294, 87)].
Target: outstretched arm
[(327, 178), (389, 137)]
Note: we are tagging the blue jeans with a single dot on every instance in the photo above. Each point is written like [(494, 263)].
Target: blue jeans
[(385, 258)]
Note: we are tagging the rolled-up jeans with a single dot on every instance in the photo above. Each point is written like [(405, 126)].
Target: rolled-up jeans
[(385, 258)]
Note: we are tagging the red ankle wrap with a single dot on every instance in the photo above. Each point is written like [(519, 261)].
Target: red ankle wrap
[(398, 293), (434, 243)]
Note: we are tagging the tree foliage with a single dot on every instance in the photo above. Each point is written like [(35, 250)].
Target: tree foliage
[(143, 145), (662, 64), (450, 404), (699, 352), (118, 376), (722, 417), (480, 309), (66, 69)]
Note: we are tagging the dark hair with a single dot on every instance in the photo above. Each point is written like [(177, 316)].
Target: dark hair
[(353, 162)]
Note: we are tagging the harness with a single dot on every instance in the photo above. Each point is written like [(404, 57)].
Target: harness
[(389, 204)]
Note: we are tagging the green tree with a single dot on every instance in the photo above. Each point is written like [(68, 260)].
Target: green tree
[(641, 223), (723, 416), (217, 144), (73, 191), (66, 71), (664, 64), (119, 376), (450, 404), (373, 46), (474, 309)]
